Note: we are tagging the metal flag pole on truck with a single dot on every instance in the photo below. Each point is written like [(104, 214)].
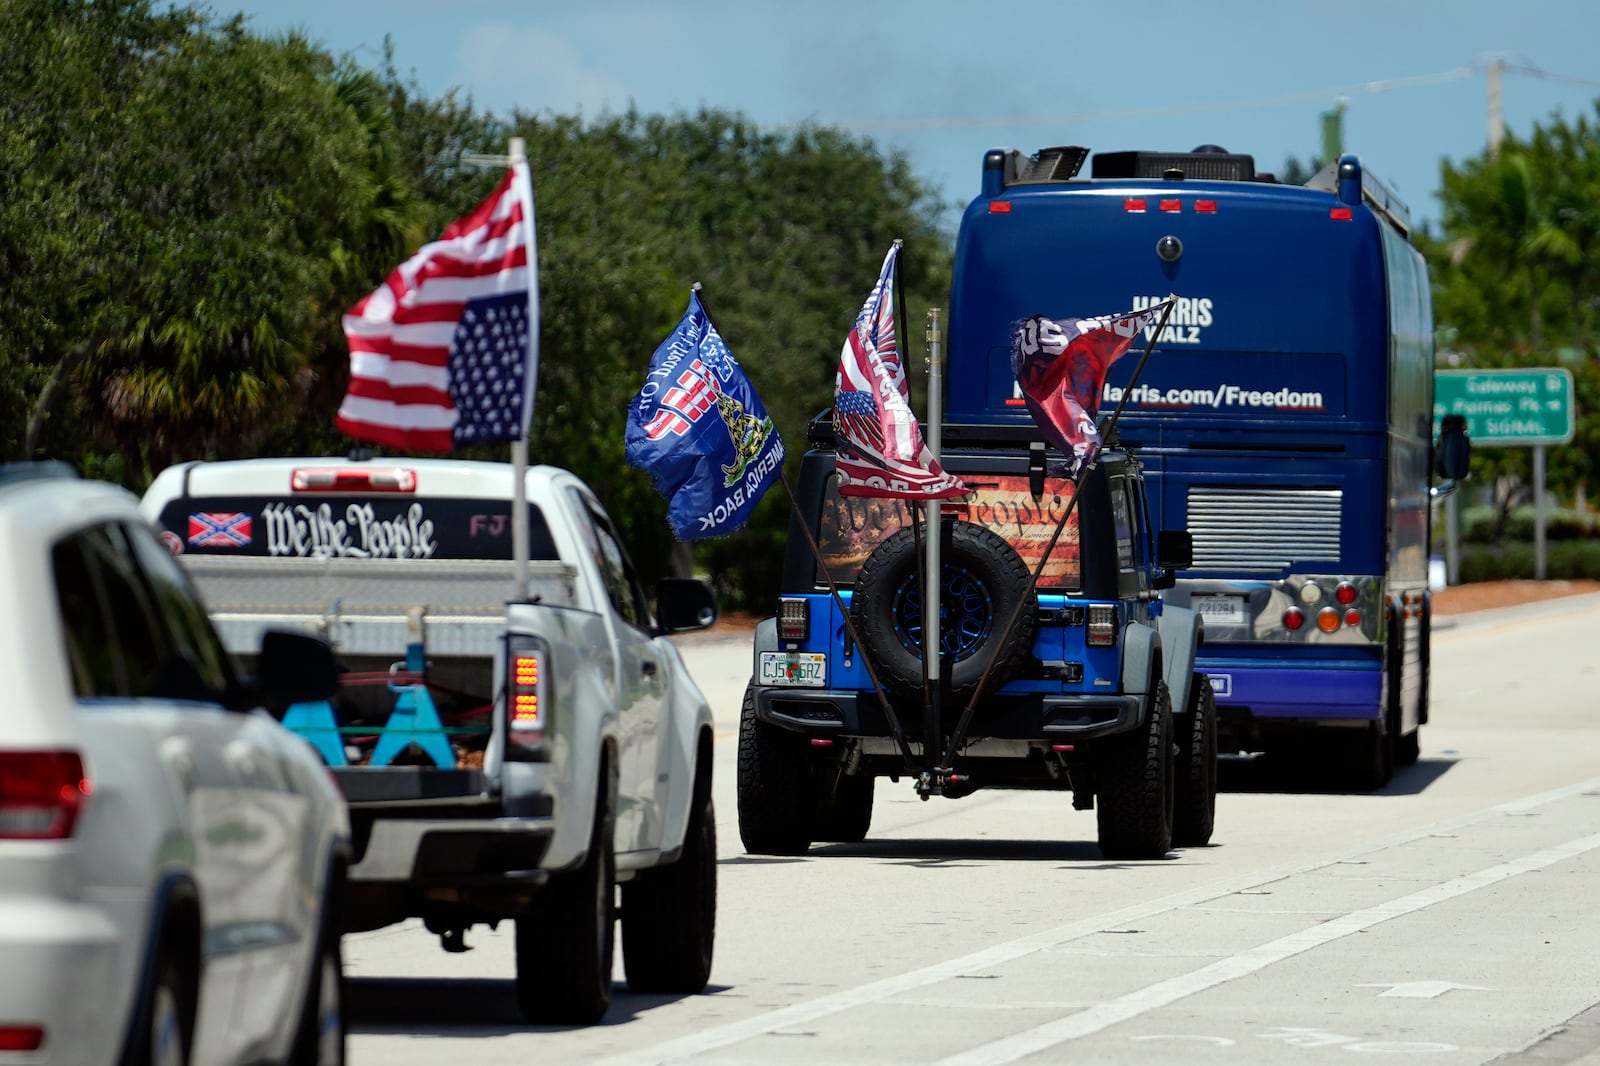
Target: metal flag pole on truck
[(517, 151)]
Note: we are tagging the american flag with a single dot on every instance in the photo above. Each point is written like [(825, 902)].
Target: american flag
[(1061, 366), (880, 450), (683, 403), (445, 353)]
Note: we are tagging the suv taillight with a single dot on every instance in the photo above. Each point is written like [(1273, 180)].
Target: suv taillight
[(527, 707), (1102, 625), (41, 793), (794, 619)]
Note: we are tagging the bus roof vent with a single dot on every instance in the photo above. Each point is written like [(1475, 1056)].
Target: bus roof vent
[(1052, 165), (1207, 164)]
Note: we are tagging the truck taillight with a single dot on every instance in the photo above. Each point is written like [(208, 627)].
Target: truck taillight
[(1102, 625), (41, 794), (527, 706), (794, 619)]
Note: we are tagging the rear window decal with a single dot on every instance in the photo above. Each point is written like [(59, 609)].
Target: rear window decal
[(212, 529), (316, 531)]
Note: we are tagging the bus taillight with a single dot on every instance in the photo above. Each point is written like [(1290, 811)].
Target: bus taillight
[(1293, 619), (1345, 593)]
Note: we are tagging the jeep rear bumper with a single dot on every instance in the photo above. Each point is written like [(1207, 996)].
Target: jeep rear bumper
[(1008, 716)]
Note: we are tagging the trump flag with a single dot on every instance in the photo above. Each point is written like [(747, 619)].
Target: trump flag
[(1061, 366), (879, 445), (699, 430), (445, 352)]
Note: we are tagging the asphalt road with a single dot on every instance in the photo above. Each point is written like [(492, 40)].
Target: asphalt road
[(1446, 919)]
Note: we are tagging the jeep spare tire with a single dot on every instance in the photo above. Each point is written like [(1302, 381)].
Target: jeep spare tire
[(983, 582)]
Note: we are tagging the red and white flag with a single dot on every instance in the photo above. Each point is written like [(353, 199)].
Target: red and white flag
[(1061, 367), (879, 450), (445, 352)]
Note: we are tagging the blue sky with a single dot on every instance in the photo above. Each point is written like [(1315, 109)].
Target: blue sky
[(945, 80)]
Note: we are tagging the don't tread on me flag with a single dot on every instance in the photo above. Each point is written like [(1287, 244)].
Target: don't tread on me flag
[(697, 427)]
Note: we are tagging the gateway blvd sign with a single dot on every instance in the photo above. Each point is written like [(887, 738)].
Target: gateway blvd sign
[(1532, 406)]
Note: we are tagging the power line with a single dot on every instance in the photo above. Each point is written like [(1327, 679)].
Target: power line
[(1173, 110)]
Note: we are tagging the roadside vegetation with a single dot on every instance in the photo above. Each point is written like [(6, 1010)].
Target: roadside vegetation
[(188, 206)]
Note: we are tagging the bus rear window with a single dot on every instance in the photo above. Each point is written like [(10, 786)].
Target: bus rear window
[(852, 527), (345, 527)]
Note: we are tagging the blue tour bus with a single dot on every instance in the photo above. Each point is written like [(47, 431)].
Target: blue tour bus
[(1284, 416)]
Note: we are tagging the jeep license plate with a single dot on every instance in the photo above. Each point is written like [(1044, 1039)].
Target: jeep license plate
[(1228, 610), (807, 668)]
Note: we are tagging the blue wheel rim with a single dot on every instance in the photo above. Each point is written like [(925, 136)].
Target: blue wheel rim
[(966, 613)]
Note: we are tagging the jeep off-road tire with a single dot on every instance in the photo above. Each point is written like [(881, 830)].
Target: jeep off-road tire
[(669, 913), (844, 806), (1195, 808), (567, 939), (776, 787), (1135, 786), (984, 584)]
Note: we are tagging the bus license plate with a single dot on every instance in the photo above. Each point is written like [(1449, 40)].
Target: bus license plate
[(1228, 610), (794, 668)]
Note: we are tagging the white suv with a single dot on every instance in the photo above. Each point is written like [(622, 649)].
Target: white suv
[(171, 858)]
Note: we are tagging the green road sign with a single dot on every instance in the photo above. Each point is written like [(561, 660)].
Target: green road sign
[(1531, 406)]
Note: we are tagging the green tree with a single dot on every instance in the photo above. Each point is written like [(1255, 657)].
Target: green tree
[(1516, 274), (185, 194)]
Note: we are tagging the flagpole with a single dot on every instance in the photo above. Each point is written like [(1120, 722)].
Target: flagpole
[(932, 656), (1077, 486), (519, 447)]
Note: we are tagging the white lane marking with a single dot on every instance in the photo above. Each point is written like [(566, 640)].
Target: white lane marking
[(694, 1044), (1164, 993), (1422, 989), (1219, 1041), (1321, 1038)]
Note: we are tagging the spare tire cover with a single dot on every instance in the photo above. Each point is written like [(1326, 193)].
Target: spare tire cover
[(983, 581)]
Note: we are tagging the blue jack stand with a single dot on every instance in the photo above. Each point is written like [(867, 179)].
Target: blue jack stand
[(316, 723), (414, 720)]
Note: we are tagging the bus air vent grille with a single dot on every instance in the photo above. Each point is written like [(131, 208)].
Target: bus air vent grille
[(1262, 530)]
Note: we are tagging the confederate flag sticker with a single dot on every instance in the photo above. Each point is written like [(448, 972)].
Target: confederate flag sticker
[(210, 529)]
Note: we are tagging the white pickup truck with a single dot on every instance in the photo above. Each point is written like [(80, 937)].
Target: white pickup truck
[(505, 753)]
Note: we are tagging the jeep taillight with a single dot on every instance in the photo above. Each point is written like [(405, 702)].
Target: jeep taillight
[(794, 619), (1102, 625), (41, 794), (527, 697)]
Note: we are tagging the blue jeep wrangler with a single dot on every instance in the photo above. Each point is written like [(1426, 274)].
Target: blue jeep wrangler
[(1080, 681)]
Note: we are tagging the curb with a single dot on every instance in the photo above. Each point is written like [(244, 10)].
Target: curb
[(1579, 603)]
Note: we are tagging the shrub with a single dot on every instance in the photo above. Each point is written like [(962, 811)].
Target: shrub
[(1568, 560), (1477, 525)]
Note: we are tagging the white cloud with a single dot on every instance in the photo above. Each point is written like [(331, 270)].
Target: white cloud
[(506, 67)]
